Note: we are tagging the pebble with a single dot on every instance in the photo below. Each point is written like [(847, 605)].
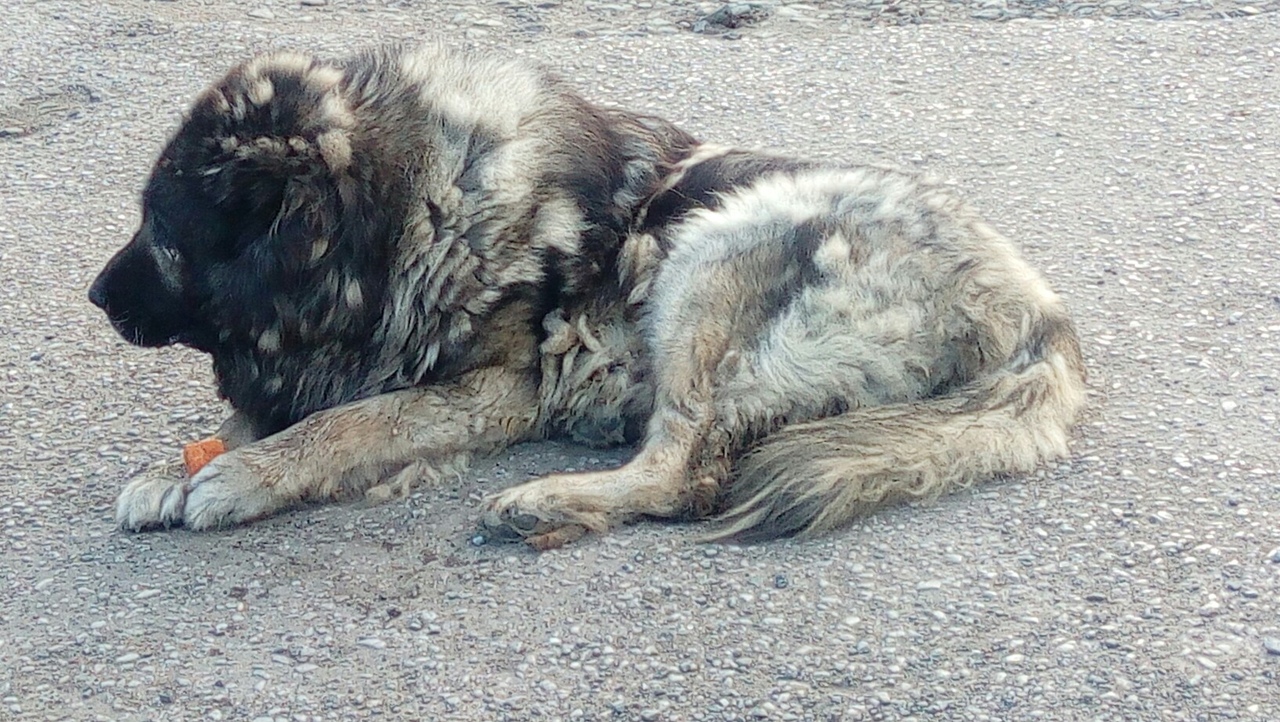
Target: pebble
[(1271, 644), (315, 3), (732, 16), (372, 643), (261, 14)]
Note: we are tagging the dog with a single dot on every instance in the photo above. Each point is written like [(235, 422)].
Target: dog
[(413, 256)]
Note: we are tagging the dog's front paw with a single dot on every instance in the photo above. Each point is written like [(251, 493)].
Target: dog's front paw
[(151, 501), (227, 492)]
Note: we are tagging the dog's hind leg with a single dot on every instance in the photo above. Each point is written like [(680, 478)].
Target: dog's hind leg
[(343, 451), (557, 509), (706, 314)]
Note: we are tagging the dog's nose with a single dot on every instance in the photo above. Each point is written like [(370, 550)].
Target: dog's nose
[(98, 295)]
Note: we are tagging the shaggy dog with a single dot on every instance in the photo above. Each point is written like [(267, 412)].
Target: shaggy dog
[(413, 256)]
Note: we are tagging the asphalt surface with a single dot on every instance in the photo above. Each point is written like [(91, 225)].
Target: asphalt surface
[(1137, 162)]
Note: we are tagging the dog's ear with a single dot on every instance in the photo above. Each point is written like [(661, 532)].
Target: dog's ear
[(274, 127)]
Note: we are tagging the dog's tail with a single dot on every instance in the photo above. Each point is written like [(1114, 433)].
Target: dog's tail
[(812, 477)]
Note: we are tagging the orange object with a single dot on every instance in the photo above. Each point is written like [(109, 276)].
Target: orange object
[(198, 453)]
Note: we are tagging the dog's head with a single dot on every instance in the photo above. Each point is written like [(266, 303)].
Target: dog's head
[(260, 222), (243, 195)]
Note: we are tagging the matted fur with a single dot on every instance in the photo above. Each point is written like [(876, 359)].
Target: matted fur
[(413, 256)]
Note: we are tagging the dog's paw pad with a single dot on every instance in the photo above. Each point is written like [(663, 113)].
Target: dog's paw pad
[(507, 525), (512, 524)]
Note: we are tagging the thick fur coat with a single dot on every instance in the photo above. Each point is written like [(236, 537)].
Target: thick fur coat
[(413, 256)]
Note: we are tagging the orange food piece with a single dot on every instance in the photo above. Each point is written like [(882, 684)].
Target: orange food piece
[(198, 453)]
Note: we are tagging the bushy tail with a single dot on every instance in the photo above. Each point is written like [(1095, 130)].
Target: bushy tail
[(812, 477)]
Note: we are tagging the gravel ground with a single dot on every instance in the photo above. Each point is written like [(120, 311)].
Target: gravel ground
[(1134, 158)]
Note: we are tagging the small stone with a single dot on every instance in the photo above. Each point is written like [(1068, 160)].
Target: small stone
[(1271, 644), (780, 581), (261, 14), (372, 643), (732, 16), (929, 585), (1274, 556), (479, 540), (148, 593), (1015, 659), (315, 3), (1229, 405), (1095, 597), (128, 658)]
